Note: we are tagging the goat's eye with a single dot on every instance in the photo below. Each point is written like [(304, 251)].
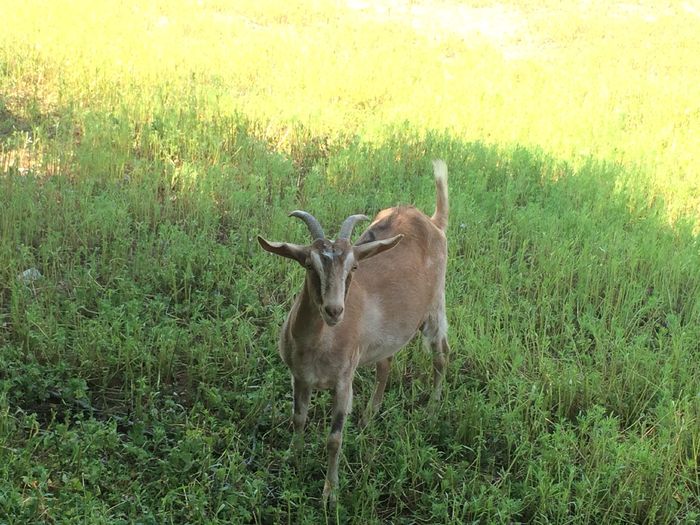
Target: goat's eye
[(354, 267)]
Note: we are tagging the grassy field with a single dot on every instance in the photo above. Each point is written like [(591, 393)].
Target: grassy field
[(143, 147)]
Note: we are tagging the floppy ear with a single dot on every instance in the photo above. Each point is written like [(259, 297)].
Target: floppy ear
[(370, 249), (291, 251)]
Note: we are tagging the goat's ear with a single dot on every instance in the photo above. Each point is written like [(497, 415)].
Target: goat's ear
[(370, 249), (296, 252)]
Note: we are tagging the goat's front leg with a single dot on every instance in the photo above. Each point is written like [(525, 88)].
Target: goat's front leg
[(342, 404), (302, 395)]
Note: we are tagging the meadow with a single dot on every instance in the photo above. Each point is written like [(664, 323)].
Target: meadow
[(144, 145)]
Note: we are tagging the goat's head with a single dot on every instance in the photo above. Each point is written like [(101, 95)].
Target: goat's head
[(329, 263)]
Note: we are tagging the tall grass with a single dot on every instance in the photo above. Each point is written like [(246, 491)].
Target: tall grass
[(144, 147)]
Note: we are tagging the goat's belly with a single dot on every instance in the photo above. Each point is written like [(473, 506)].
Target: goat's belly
[(381, 349)]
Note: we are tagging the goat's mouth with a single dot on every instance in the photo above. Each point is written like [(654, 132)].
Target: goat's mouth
[(331, 320)]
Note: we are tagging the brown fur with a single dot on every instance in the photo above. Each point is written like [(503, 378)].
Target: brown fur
[(388, 298)]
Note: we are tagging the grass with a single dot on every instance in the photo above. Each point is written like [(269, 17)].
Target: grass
[(142, 148)]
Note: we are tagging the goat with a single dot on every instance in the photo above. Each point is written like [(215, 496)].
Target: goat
[(357, 309)]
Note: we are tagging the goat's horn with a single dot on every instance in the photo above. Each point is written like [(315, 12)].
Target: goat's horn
[(349, 224), (311, 222)]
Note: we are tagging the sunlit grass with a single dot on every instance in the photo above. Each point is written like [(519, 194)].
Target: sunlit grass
[(609, 81)]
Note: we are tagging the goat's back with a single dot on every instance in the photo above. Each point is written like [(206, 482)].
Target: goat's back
[(395, 292), (421, 236)]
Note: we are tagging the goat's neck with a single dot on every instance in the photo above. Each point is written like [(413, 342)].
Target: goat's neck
[(306, 324)]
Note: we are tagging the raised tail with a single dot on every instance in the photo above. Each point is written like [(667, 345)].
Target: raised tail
[(442, 207)]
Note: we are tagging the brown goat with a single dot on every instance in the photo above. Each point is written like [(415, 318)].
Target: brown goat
[(357, 309)]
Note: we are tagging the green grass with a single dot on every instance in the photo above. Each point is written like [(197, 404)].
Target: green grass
[(142, 149)]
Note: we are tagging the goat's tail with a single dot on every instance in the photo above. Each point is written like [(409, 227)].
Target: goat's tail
[(442, 207)]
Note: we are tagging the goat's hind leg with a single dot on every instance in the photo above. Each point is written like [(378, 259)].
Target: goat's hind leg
[(435, 336), (383, 368)]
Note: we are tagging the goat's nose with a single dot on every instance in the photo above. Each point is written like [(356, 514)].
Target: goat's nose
[(334, 310)]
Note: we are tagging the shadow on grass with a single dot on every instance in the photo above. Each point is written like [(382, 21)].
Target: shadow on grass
[(573, 307), (11, 123)]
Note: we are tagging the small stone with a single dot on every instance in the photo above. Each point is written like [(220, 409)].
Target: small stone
[(29, 276)]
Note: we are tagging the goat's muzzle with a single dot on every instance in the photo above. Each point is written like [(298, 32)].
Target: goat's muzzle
[(332, 314)]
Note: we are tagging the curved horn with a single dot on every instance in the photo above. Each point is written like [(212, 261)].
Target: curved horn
[(313, 224), (349, 224)]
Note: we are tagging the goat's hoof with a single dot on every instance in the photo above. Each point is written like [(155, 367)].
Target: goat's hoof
[(435, 398), (364, 421), (293, 457), (367, 416), (330, 496)]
